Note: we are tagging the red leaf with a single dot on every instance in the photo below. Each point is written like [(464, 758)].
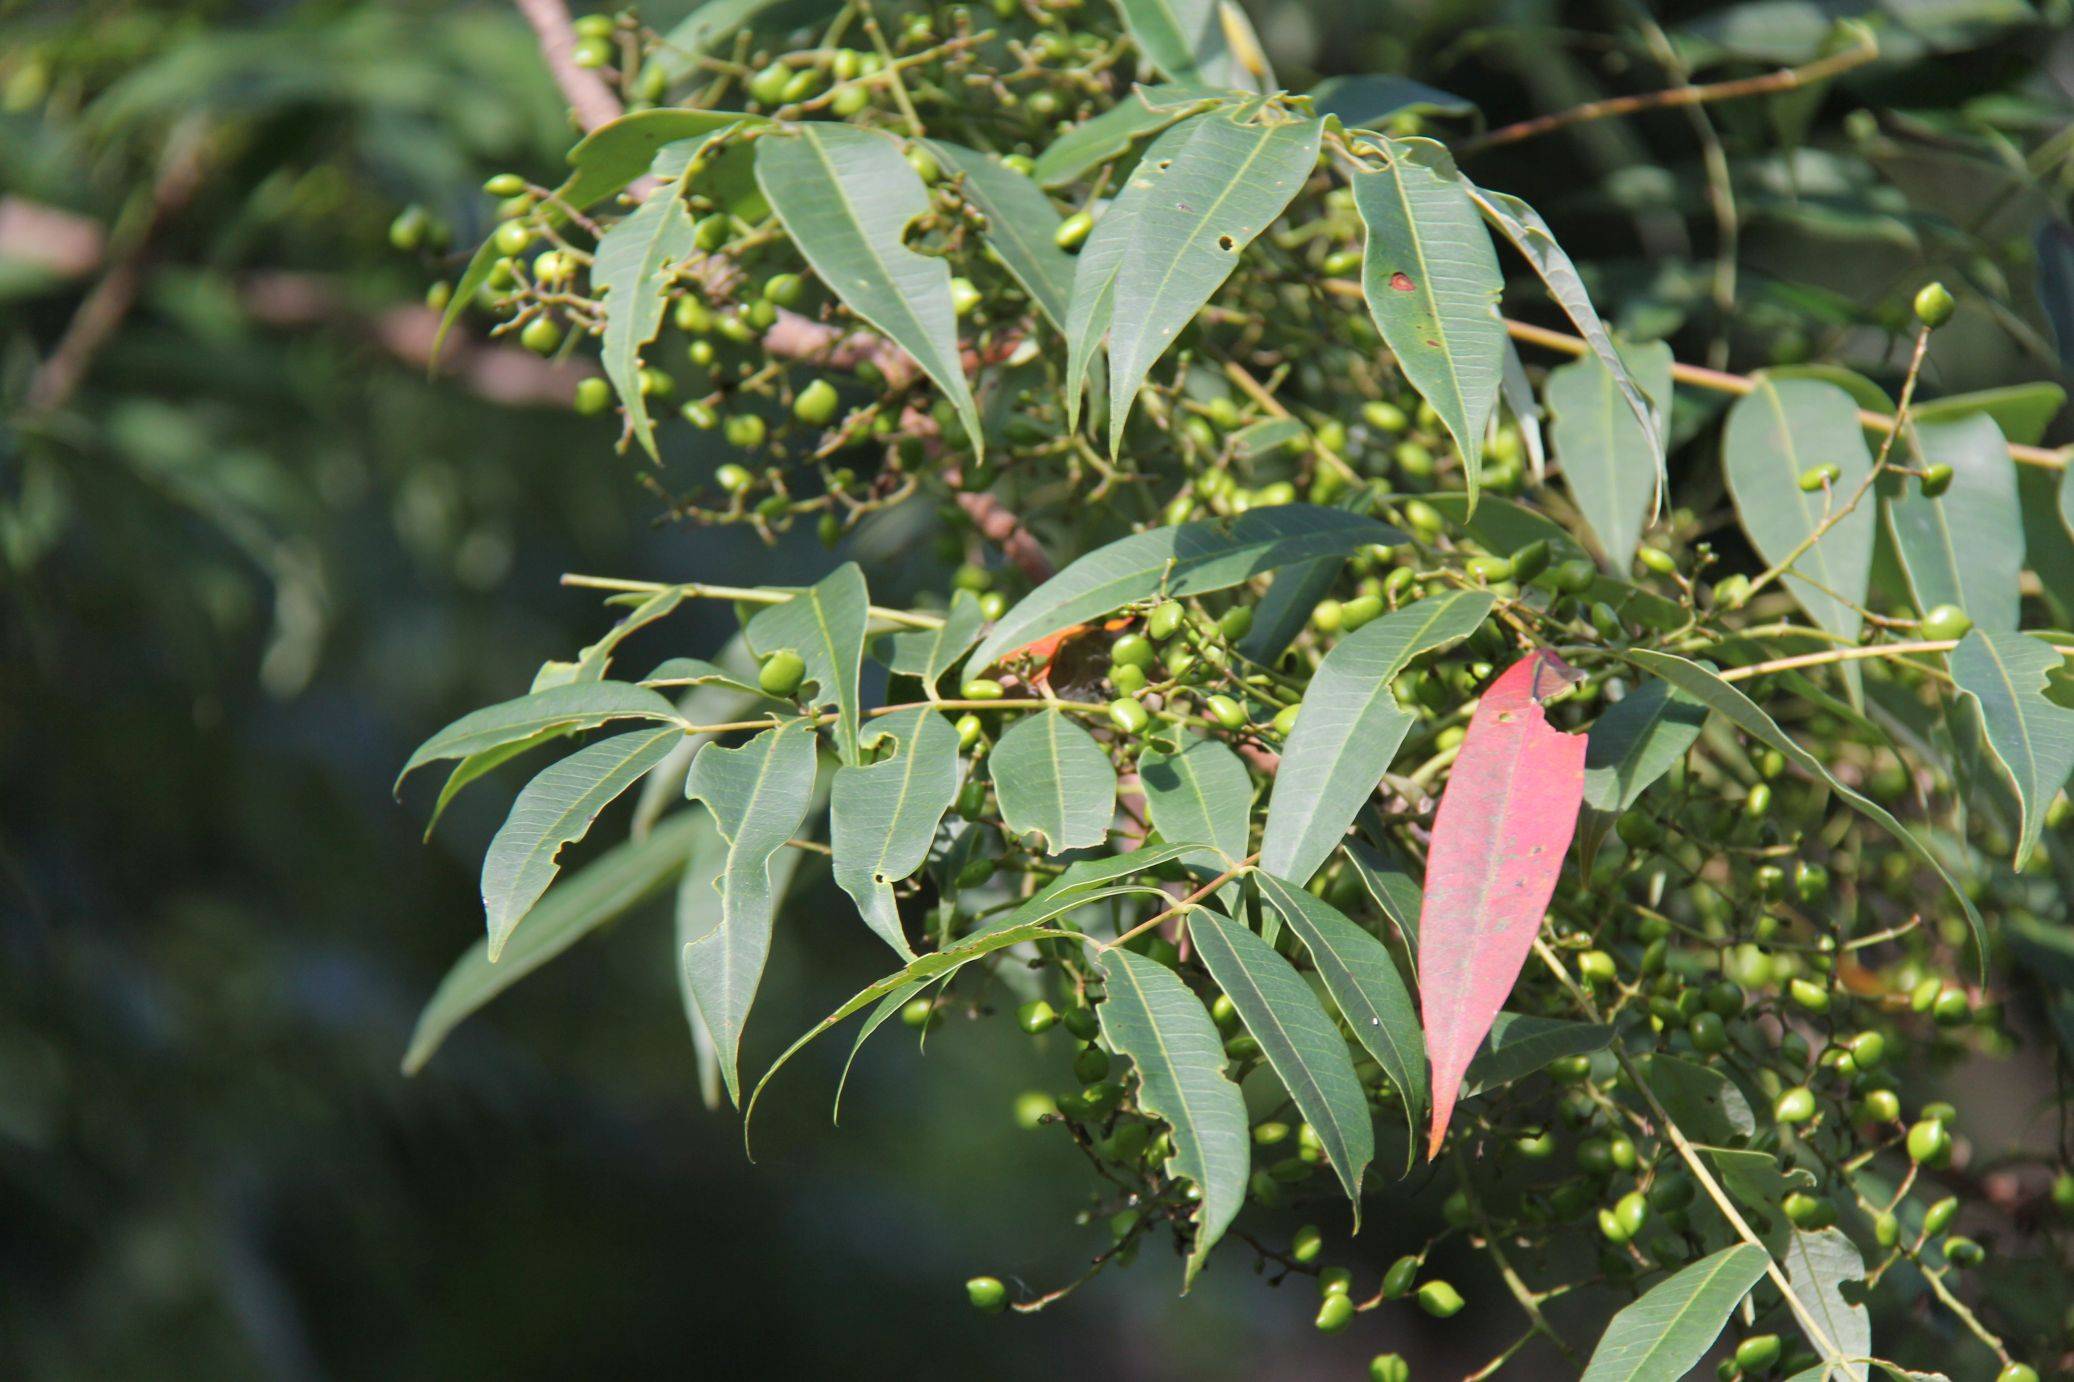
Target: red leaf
[(1498, 840)]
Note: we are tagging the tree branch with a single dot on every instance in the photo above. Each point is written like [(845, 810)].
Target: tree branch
[(584, 90)]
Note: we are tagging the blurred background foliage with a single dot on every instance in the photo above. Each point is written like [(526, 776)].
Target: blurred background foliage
[(250, 553)]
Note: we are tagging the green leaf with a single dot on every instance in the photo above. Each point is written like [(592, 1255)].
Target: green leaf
[(1200, 794), (758, 795), (522, 721), (696, 671), (1756, 1180), (929, 653), (1817, 1265), (1192, 41), (1149, 1015), (1147, 110), (557, 808), (1522, 225), (1086, 881), (825, 624), (1020, 220), (1350, 726), (939, 964), (2006, 675), (2048, 516), (1054, 779), (883, 815), (1710, 690), (1286, 608), (609, 886), (467, 289), (636, 262), (1520, 1044), (1703, 1102), (1364, 982), (1608, 463), (613, 156), (1091, 306), (1668, 1331), (677, 53), (1227, 185), (1373, 98), (2021, 411), (1299, 1039), (1636, 741), (846, 197), (1965, 547), (697, 893), (477, 765), (1191, 559), (1396, 893), (1503, 525), (1432, 284), (1774, 434)]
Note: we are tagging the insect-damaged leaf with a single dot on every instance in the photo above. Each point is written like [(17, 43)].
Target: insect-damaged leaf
[(883, 815), (1499, 836)]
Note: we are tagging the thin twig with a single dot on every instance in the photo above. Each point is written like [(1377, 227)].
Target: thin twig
[(584, 90)]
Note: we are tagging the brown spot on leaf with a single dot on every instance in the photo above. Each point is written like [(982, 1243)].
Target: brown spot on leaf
[(1401, 281)]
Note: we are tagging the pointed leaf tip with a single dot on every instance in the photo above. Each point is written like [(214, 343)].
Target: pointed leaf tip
[(1504, 823)]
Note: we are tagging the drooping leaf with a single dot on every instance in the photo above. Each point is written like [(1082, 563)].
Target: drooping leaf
[(1818, 1264), (1965, 547), (512, 722), (1520, 1044), (1523, 227), (1364, 983), (555, 809), (846, 196), (1390, 883), (609, 886), (825, 624), (613, 156), (1300, 1041), (1432, 284), (1350, 726), (1052, 778), (477, 765), (1719, 696), (758, 795), (1191, 559), (1371, 99), (929, 653), (696, 671), (1608, 463), (1149, 1015), (1518, 392), (1635, 742), (696, 902), (1020, 220), (1147, 110), (1504, 821), (1774, 434), (678, 51), (1092, 305), (636, 261), (1086, 881), (1198, 793), (1227, 184), (1668, 1331), (1191, 41), (596, 658), (883, 815), (2006, 674)]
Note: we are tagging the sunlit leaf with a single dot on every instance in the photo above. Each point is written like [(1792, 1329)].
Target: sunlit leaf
[(1818, 1264), (1608, 463), (1966, 546), (1432, 284), (846, 197), (584, 706), (929, 653), (1349, 728), (825, 624), (1020, 220), (1504, 823), (1668, 1331), (635, 271), (1052, 778), (1189, 41), (555, 809), (883, 815), (1147, 110), (2006, 675), (1301, 1043), (758, 795), (1198, 792), (1149, 1015)]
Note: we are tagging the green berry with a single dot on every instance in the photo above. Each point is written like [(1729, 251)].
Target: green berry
[(1399, 1278), (2017, 1372), (593, 396), (1307, 1243), (987, 1294), (1335, 1281), (1362, 609), (1573, 577), (1072, 232), (1946, 622), (1091, 1065), (1390, 1367), (1819, 477), (815, 405), (782, 673), (1081, 1022), (1439, 1299), (1657, 560), (1036, 1017), (1165, 620), (1929, 1142), (1129, 716), (1225, 711), (504, 185), (1938, 1217), (1936, 480), (1757, 1353), (1950, 1008), (1796, 1105), (1335, 1313), (919, 1013), (1127, 678), (732, 478), (1709, 1034), (1133, 650), (1285, 720), (541, 335), (1934, 305)]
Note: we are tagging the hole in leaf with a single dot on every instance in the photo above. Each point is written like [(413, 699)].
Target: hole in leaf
[(1224, 243)]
